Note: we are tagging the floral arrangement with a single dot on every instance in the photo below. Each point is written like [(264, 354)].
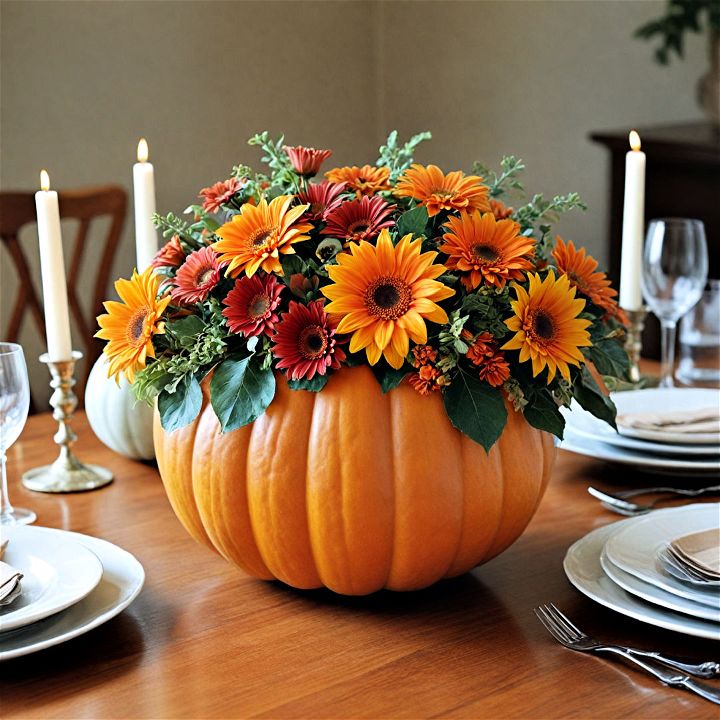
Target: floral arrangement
[(429, 278)]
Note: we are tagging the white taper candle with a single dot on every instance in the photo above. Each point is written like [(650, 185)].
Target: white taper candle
[(146, 241)]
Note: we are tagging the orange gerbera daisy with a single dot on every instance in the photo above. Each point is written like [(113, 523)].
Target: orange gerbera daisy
[(437, 191), (129, 325), (486, 250), (581, 271), (365, 180), (384, 294), (257, 236), (546, 325)]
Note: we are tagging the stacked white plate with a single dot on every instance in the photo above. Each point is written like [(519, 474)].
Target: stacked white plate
[(618, 566), (71, 584), (674, 453)]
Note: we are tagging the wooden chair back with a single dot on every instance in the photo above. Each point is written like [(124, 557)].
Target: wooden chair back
[(17, 209)]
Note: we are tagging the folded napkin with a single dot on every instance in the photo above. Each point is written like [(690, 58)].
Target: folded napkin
[(9, 583), (701, 551), (2, 549), (702, 420)]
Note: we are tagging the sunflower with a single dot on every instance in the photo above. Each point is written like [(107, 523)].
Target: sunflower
[(546, 325), (365, 180), (129, 325), (384, 295), (196, 277), (258, 234), (437, 191), (581, 271), (486, 250), (358, 220)]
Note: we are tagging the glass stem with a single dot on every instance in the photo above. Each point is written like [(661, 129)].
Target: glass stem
[(668, 353), (5, 507)]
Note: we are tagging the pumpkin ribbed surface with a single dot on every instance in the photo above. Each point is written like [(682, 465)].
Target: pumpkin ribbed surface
[(352, 489)]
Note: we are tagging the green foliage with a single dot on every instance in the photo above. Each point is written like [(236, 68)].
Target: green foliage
[(487, 309), (508, 179), (180, 406), (240, 391), (399, 157), (590, 397), (171, 224), (680, 17), (276, 159), (475, 409), (543, 413), (413, 221), (609, 358), (314, 385), (388, 377)]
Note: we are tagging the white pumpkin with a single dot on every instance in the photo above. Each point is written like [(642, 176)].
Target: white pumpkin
[(116, 417)]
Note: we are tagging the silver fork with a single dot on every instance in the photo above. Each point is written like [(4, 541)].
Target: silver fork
[(618, 501), (568, 635)]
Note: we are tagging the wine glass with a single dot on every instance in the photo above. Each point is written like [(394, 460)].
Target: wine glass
[(14, 405), (675, 268)]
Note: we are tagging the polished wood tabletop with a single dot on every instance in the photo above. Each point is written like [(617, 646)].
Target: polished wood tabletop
[(203, 640)]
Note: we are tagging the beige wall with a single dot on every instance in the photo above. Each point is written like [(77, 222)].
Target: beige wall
[(81, 81)]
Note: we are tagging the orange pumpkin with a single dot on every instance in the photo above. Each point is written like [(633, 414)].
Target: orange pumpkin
[(352, 489)]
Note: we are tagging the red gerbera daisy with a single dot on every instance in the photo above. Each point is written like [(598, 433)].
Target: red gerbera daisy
[(170, 254), (358, 220), (196, 277), (219, 193), (306, 161), (322, 198), (251, 305), (305, 341)]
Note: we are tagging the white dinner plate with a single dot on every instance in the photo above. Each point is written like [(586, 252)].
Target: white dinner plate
[(122, 580), (635, 547), (663, 400), (57, 572), (648, 463), (585, 424), (583, 569), (655, 595)]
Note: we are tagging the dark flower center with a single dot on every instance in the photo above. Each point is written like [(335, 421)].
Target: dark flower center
[(260, 237), (316, 207), (388, 298), (485, 252), (313, 342), (543, 325), (358, 227), (137, 324), (259, 307), (204, 277)]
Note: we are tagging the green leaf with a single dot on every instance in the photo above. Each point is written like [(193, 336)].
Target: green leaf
[(181, 407), (475, 409), (185, 330), (291, 265), (413, 221), (609, 358), (543, 413), (590, 397), (314, 385), (240, 391), (388, 377)]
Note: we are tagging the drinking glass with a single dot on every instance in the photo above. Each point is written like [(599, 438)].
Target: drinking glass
[(14, 405), (675, 268), (700, 339)]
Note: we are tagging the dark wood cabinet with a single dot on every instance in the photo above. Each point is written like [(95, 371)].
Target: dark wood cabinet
[(683, 180)]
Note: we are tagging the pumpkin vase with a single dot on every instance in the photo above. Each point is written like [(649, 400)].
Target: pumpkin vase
[(353, 489), (120, 422)]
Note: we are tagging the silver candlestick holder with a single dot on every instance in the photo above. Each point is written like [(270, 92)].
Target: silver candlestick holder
[(633, 342), (67, 473)]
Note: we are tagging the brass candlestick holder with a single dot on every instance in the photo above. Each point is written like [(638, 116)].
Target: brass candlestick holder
[(633, 342), (67, 473)]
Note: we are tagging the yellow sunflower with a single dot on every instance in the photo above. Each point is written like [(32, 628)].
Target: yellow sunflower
[(259, 234), (437, 191), (486, 250), (384, 295), (365, 180), (129, 325), (547, 329)]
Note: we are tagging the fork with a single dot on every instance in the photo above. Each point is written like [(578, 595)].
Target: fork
[(570, 636), (618, 501)]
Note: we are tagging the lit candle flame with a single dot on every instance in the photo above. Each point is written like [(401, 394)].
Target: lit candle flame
[(142, 154), (634, 140), (44, 180)]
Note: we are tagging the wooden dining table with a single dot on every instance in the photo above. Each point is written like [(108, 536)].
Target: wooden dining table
[(204, 640)]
